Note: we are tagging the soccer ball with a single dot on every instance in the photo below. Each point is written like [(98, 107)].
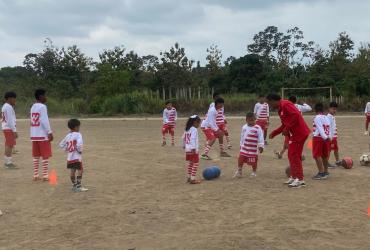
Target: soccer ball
[(365, 160)]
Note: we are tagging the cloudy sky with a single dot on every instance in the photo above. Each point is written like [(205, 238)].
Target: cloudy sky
[(151, 26)]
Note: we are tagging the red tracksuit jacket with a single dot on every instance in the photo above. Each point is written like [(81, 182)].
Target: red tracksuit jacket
[(292, 122)]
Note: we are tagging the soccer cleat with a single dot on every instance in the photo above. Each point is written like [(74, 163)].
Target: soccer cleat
[(319, 176), (45, 178), (338, 163), (224, 154), (366, 133), (253, 174), (206, 157), (238, 174), (163, 144), (195, 182), (289, 181), (297, 184), (326, 175), (1, 213), (80, 189), (10, 166), (229, 146), (36, 178)]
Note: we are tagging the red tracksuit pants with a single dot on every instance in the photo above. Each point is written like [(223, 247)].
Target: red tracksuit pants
[(295, 150)]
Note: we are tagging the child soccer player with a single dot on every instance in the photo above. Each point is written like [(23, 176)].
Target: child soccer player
[(334, 133), (191, 146), (221, 121), (367, 118), (9, 127), (261, 111), (169, 123), (41, 135), (251, 143), (212, 131), (303, 108), (73, 145), (321, 142)]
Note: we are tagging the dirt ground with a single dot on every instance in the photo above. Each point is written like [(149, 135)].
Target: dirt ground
[(138, 198)]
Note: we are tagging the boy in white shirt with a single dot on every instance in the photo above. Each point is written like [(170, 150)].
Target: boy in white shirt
[(73, 145), (321, 142), (41, 135), (8, 124)]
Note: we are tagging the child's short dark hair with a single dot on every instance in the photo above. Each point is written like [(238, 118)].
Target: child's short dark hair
[(293, 99), (215, 95), (250, 115), (191, 121), (168, 102), (219, 100), (319, 107), (273, 97), (333, 105), (10, 94), (73, 123), (39, 93)]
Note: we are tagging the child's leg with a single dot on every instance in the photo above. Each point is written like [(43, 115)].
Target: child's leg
[(221, 143), (194, 170), (325, 163), (36, 163), (239, 169), (336, 155), (73, 177), (164, 131), (367, 124), (320, 164), (190, 169), (8, 155), (209, 146), (45, 168), (79, 178), (172, 132)]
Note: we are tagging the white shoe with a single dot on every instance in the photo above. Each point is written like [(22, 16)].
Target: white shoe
[(289, 181), (297, 184), (253, 174), (366, 133), (238, 174), (1, 213)]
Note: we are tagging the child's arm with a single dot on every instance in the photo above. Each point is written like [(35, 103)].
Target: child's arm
[(63, 144), (242, 137), (367, 108), (183, 140), (193, 141), (331, 124), (261, 140), (164, 116), (175, 115), (9, 118), (212, 119), (305, 108), (45, 120), (79, 146), (255, 109)]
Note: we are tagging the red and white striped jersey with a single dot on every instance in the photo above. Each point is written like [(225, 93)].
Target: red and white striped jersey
[(250, 140), (220, 118), (8, 121), (303, 108), (73, 145), (210, 120), (321, 127), (367, 109), (191, 140), (261, 111), (333, 126), (169, 116), (40, 125)]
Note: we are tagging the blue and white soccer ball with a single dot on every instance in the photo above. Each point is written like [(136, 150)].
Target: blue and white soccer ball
[(365, 160)]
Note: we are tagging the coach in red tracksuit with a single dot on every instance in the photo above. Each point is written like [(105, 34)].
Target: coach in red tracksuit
[(293, 125)]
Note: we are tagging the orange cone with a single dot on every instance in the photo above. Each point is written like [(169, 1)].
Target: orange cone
[(368, 210), (53, 179), (309, 144)]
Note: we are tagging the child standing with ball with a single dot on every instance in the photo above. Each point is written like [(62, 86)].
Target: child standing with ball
[(73, 145), (251, 143), (191, 146)]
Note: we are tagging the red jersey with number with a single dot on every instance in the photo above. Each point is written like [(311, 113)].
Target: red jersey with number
[(73, 145), (40, 125)]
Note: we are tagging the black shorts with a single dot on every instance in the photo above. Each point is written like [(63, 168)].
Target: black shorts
[(75, 165)]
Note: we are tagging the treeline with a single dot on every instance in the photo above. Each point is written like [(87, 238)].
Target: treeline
[(121, 81)]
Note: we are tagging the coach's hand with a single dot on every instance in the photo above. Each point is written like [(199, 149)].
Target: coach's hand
[(271, 136), (51, 137)]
